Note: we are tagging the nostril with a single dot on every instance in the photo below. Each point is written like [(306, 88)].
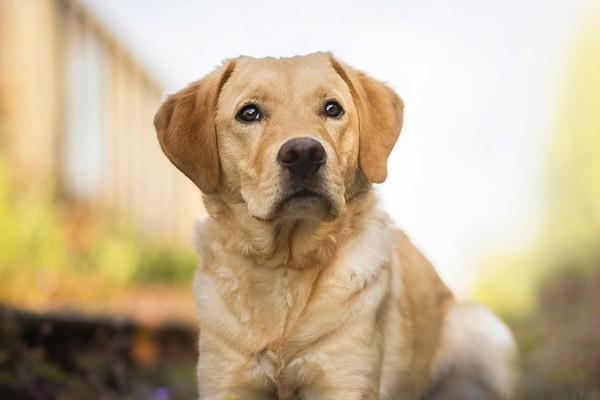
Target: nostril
[(290, 156), (317, 154)]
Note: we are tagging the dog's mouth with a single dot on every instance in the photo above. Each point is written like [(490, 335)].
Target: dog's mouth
[(301, 194), (301, 197), (303, 202)]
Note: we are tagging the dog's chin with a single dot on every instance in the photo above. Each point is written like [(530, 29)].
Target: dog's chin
[(302, 205), (305, 205)]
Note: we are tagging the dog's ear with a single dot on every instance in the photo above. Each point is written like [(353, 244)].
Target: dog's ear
[(185, 125), (380, 112)]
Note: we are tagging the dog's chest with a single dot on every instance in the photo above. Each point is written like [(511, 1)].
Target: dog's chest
[(258, 307), (278, 320)]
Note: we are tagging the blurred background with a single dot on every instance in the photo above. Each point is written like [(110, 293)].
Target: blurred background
[(496, 175)]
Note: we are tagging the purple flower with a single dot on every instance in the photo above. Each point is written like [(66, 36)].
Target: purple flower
[(161, 393)]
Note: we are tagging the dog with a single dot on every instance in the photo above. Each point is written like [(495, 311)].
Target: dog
[(305, 289)]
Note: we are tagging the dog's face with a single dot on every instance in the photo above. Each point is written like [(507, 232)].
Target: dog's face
[(291, 138), (288, 136)]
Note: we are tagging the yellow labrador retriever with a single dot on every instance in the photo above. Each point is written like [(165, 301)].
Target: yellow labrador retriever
[(305, 289)]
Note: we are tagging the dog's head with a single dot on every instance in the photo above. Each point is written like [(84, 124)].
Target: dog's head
[(291, 138)]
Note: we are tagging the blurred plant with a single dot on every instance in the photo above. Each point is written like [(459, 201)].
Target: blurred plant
[(559, 342), (548, 291), (44, 357), (570, 234), (30, 232), (51, 253)]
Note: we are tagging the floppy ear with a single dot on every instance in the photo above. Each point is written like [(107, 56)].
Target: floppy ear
[(185, 125), (380, 112)]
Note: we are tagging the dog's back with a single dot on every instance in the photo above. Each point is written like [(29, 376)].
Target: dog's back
[(452, 350)]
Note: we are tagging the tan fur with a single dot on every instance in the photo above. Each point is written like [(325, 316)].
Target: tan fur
[(320, 299), (186, 131), (380, 118)]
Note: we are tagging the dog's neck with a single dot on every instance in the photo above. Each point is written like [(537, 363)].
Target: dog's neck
[(288, 243), (253, 268)]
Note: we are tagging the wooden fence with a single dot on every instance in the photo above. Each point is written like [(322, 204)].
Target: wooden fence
[(76, 113)]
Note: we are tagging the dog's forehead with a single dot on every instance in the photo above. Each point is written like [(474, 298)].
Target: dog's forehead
[(299, 72)]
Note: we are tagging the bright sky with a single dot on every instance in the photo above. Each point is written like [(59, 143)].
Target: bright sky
[(480, 80)]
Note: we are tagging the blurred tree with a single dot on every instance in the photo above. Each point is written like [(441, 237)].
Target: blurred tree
[(570, 234), (573, 219)]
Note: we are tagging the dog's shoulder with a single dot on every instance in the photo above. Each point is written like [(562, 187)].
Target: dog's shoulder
[(425, 299), (419, 276)]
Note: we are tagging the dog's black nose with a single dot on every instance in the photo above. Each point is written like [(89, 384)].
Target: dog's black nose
[(302, 156)]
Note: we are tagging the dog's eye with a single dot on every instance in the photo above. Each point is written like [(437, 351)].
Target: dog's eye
[(249, 113), (333, 109)]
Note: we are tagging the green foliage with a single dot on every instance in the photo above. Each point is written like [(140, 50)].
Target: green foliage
[(573, 222), (548, 290), (30, 232), (165, 265), (48, 251), (570, 233)]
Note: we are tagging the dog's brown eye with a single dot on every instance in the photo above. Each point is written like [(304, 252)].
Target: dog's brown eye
[(249, 113), (333, 109)]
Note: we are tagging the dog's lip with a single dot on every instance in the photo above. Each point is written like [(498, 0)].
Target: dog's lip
[(297, 195), (300, 194)]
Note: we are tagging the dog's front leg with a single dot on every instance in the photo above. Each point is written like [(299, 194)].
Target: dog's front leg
[(339, 370), (225, 384), (226, 374)]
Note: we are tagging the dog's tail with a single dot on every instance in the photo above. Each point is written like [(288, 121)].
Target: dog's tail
[(477, 359)]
